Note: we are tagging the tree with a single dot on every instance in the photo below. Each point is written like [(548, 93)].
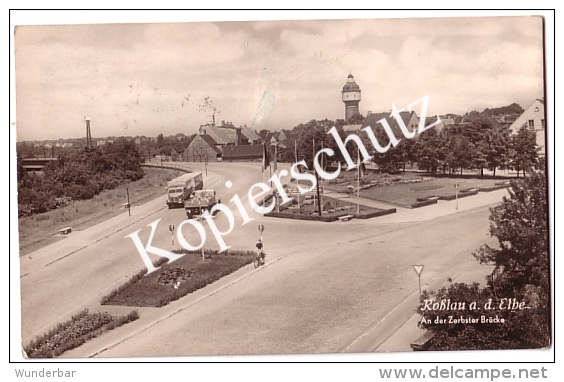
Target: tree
[(520, 224), (356, 119), (407, 148), (520, 279), (392, 160), (458, 151), (288, 154), (524, 150), (314, 131), (496, 145), (429, 150), (160, 140)]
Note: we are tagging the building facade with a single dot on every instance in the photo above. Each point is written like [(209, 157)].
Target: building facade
[(203, 148), (534, 119)]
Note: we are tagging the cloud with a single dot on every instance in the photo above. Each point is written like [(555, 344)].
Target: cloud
[(119, 74)]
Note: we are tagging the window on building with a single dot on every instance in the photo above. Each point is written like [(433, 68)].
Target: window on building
[(531, 124), (542, 123)]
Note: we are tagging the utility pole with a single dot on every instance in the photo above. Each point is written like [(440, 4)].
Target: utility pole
[(128, 204)]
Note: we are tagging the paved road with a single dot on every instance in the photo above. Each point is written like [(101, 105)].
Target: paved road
[(328, 291)]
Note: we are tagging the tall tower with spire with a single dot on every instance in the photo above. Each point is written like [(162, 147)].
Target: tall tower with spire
[(351, 97)]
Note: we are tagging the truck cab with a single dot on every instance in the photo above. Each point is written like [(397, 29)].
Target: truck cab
[(199, 202)]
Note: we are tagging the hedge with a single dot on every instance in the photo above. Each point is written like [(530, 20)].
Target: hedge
[(375, 214), (424, 199), (460, 195), (493, 188), (424, 203), (287, 215)]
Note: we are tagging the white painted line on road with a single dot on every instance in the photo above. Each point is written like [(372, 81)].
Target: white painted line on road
[(182, 309), (95, 241)]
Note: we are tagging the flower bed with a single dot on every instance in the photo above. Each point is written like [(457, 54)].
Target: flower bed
[(73, 333), (173, 281), (333, 209)]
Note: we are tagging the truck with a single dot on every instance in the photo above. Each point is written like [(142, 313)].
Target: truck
[(201, 201), (180, 189)]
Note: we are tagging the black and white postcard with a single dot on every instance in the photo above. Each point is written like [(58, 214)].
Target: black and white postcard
[(283, 187)]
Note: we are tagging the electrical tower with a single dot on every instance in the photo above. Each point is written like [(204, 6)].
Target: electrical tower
[(88, 135)]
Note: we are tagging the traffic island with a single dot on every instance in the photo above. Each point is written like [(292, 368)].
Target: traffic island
[(174, 280), (333, 210)]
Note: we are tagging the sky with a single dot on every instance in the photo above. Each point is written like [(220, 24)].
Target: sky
[(170, 77)]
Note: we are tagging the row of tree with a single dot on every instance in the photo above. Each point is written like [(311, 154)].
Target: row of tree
[(168, 146), (77, 175), (474, 145), (477, 145)]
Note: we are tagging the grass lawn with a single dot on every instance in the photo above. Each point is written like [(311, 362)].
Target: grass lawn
[(175, 280), (40, 230), (405, 189)]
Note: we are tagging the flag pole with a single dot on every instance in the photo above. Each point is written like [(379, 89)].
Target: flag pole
[(297, 180), (321, 182), (316, 181), (263, 167), (358, 183)]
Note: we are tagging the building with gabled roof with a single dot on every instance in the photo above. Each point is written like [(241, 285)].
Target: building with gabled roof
[(203, 148), (534, 118)]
